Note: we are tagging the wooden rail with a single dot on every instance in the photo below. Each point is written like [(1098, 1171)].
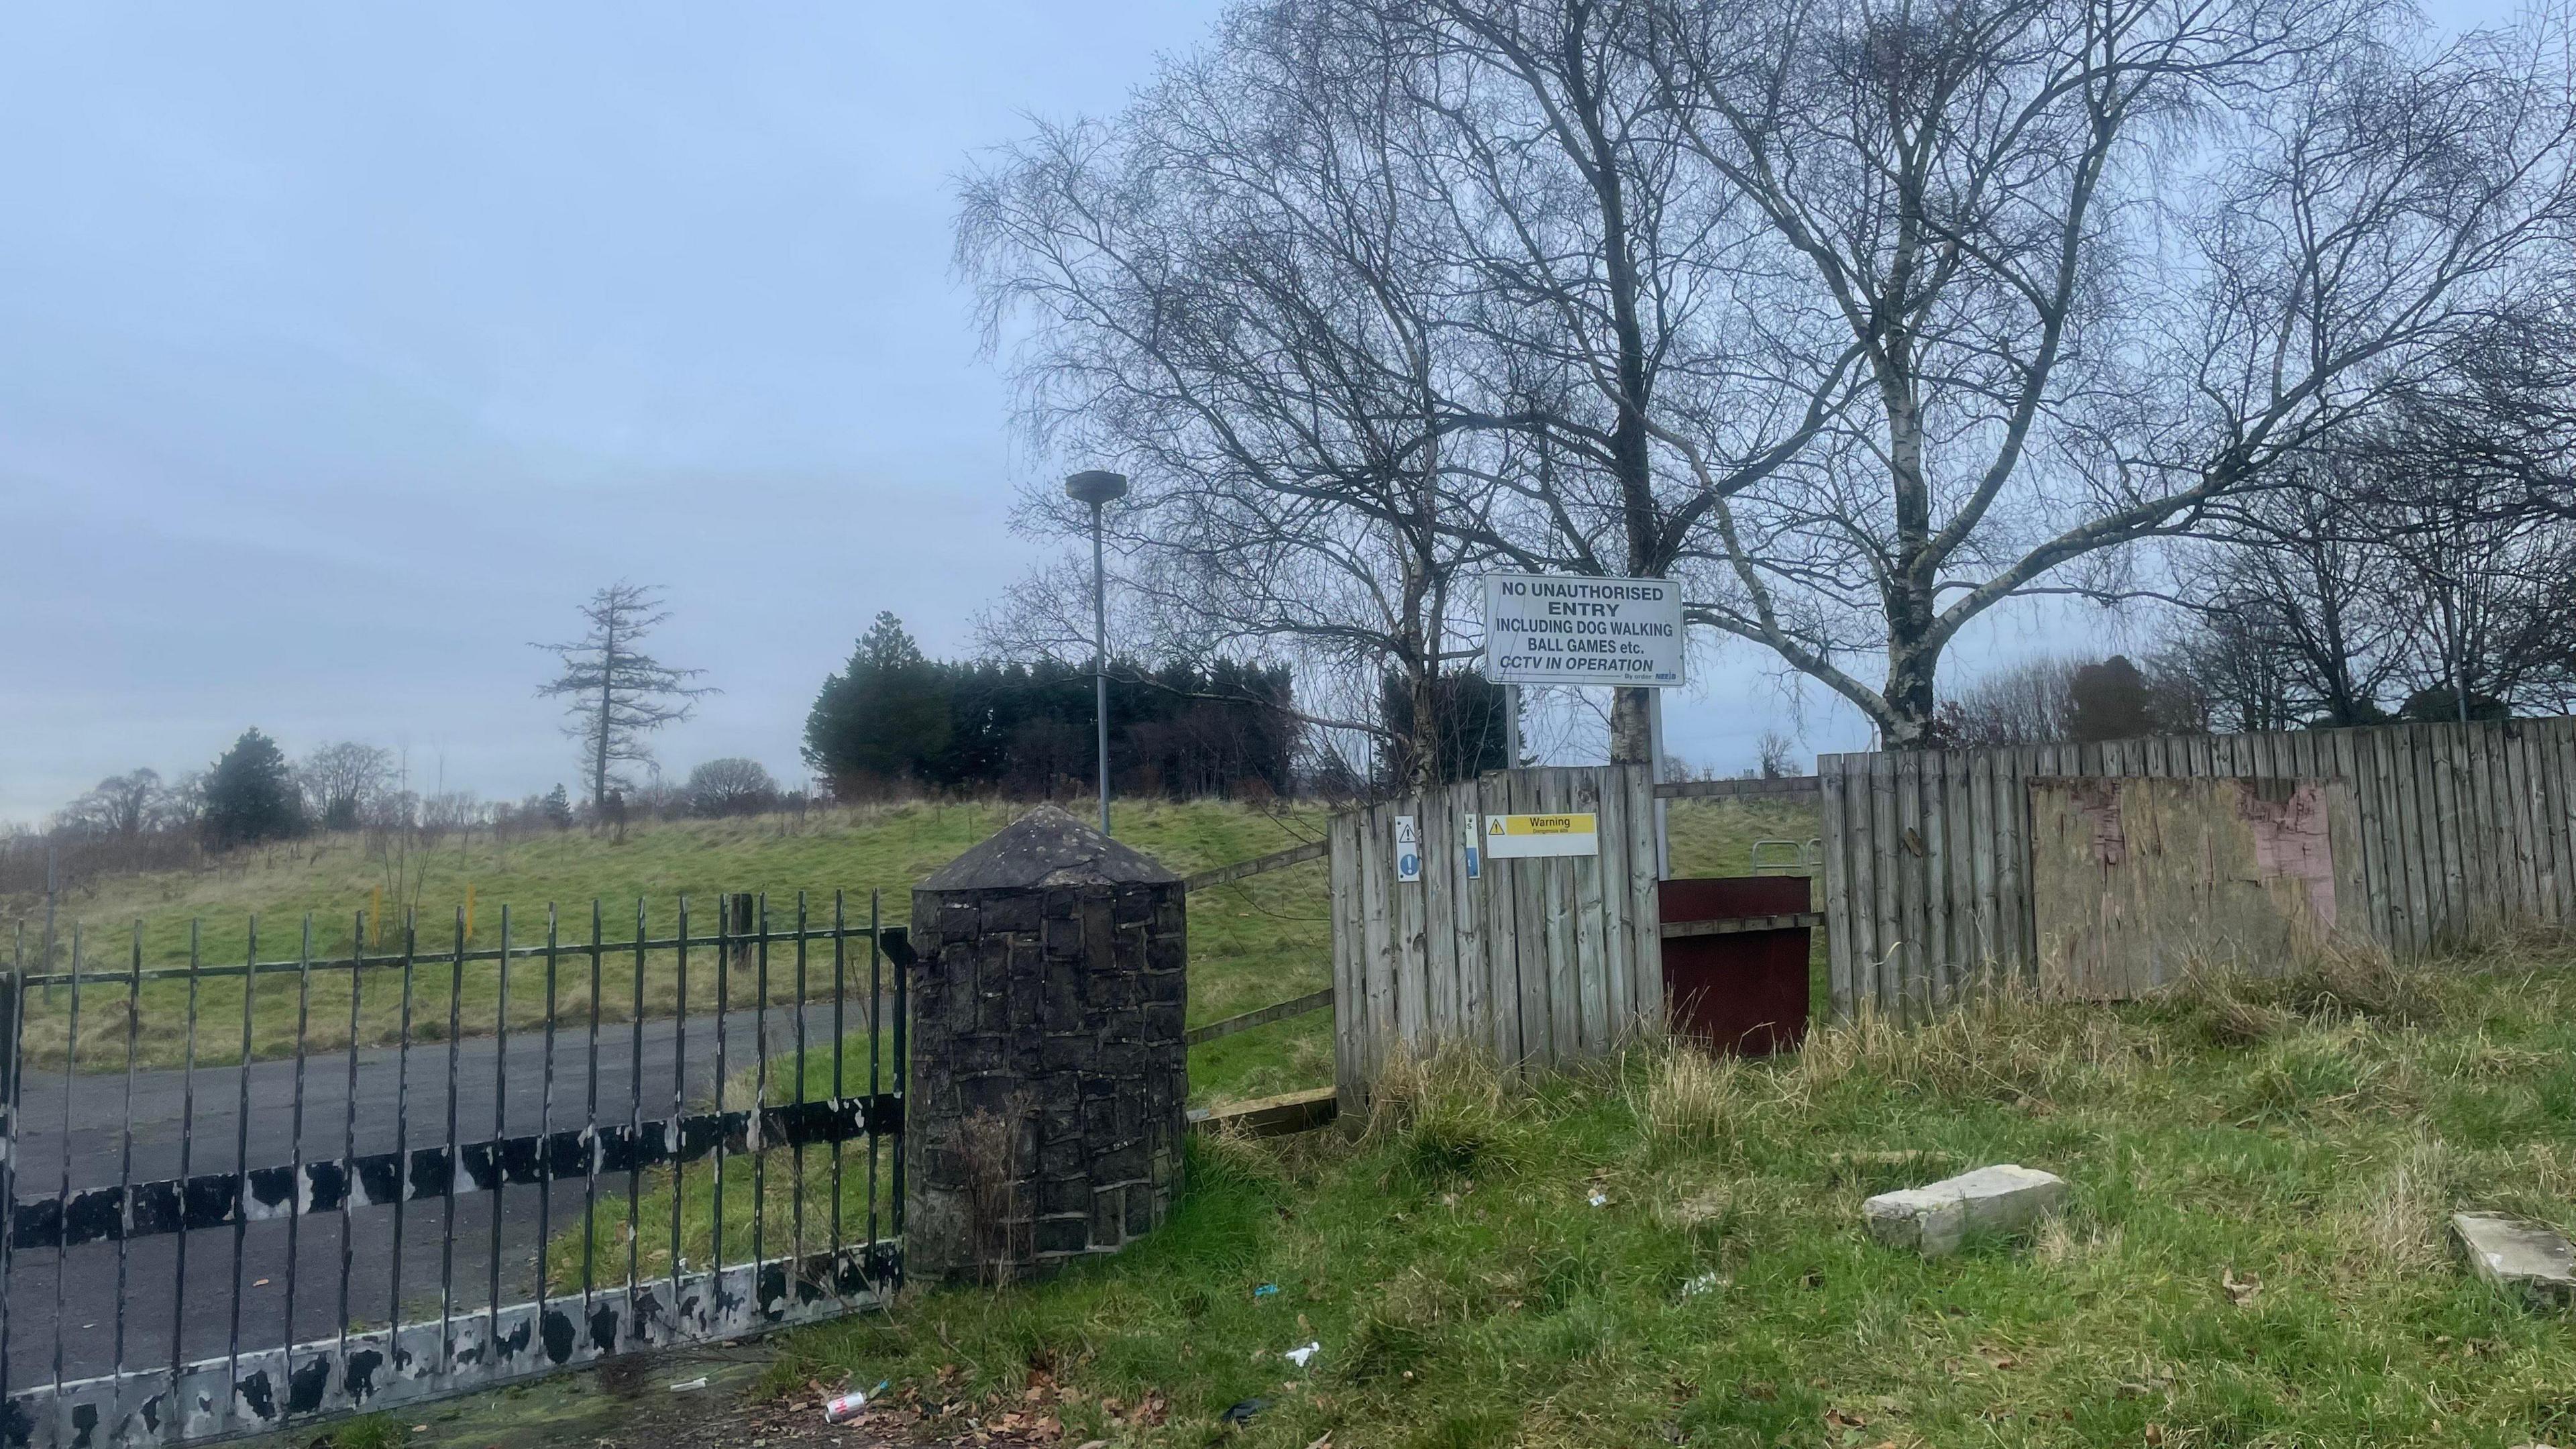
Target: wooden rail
[(1798, 785), (1275, 860), (1294, 1006), (1675, 930), (1270, 1116)]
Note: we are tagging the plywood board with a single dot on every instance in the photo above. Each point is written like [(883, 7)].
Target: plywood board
[(2135, 880)]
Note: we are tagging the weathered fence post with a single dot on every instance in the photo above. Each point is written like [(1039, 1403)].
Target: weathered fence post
[(1044, 1111)]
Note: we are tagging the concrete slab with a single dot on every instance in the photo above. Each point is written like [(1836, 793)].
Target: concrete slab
[(2518, 1255), (1934, 1219)]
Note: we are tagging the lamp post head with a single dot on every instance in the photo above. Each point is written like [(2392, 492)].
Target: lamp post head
[(1096, 486)]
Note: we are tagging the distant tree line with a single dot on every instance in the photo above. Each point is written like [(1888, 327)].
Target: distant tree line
[(893, 721), (253, 795)]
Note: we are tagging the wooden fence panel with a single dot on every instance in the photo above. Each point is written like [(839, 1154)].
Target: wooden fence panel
[(2559, 818), (1502, 935), (1645, 896), (1538, 960), (1838, 887), (1350, 980), (1439, 943), (1610, 902), (1529, 916), (2454, 830)]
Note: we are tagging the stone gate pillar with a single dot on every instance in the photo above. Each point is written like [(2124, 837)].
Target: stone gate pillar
[(1044, 1109)]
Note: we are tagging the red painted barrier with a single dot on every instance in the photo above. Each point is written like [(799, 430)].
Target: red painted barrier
[(1742, 992)]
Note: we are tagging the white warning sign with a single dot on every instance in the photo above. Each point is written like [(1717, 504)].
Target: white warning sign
[(1565, 629), (1408, 850)]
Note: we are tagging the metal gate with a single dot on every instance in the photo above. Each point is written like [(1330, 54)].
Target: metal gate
[(380, 1170)]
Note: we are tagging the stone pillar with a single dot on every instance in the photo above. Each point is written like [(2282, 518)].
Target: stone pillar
[(1043, 1117)]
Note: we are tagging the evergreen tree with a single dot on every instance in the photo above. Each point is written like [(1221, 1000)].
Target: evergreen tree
[(1467, 737), (884, 720), (251, 794), (558, 807), (2109, 701)]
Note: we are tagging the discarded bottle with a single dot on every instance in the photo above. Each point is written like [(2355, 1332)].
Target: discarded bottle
[(848, 1405)]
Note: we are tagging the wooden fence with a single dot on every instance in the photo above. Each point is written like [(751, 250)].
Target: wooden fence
[(2462, 829), (1538, 960)]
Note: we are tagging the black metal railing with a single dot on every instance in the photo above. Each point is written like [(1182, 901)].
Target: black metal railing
[(256, 1211)]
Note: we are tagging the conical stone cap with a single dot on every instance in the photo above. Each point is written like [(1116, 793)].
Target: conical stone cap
[(1048, 847)]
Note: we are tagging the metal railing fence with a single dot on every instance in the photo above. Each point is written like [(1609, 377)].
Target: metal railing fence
[(225, 1215)]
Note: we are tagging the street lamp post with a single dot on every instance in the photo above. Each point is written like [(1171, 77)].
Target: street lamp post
[(1096, 487)]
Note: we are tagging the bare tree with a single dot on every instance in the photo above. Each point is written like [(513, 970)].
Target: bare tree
[(340, 780), (1229, 291), (2106, 266), (732, 786), (1636, 366), (2487, 592), (615, 694), (2425, 564), (123, 806), (1859, 321), (2304, 580), (2021, 704)]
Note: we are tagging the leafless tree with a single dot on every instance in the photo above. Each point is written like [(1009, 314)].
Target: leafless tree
[(2020, 704), (615, 694), (2106, 266), (2488, 593), (2426, 564), (1859, 321), (340, 779), (732, 786), (1638, 364), (2304, 580), (123, 806), (1227, 290)]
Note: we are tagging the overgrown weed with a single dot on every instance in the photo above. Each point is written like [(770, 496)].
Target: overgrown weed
[(2255, 1253)]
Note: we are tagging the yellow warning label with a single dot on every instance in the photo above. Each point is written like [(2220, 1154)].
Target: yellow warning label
[(1543, 825), (1509, 836)]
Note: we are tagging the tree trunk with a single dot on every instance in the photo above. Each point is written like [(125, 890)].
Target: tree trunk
[(599, 764), (1912, 657), (1632, 739), (1910, 701)]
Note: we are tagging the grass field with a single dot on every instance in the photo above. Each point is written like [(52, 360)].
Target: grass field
[(1252, 942), (2253, 1255)]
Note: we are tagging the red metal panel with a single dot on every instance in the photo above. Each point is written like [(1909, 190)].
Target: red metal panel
[(1743, 992)]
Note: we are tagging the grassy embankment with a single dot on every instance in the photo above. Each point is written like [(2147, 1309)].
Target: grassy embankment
[(1251, 943), (2253, 1255)]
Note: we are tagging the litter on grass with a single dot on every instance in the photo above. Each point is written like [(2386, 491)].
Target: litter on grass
[(1600, 1199), (1704, 1283), (848, 1405), (1265, 1290), (1299, 1356), (689, 1385)]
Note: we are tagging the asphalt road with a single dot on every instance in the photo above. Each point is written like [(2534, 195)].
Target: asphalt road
[(95, 1131)]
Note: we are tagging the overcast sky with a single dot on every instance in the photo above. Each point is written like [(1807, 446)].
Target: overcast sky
[(345, 349)]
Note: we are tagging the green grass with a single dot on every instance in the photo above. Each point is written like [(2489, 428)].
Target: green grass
[(2300, 1140), (1252, 943)]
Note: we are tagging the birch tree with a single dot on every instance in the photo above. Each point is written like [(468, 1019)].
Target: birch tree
[(2106, 266)]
